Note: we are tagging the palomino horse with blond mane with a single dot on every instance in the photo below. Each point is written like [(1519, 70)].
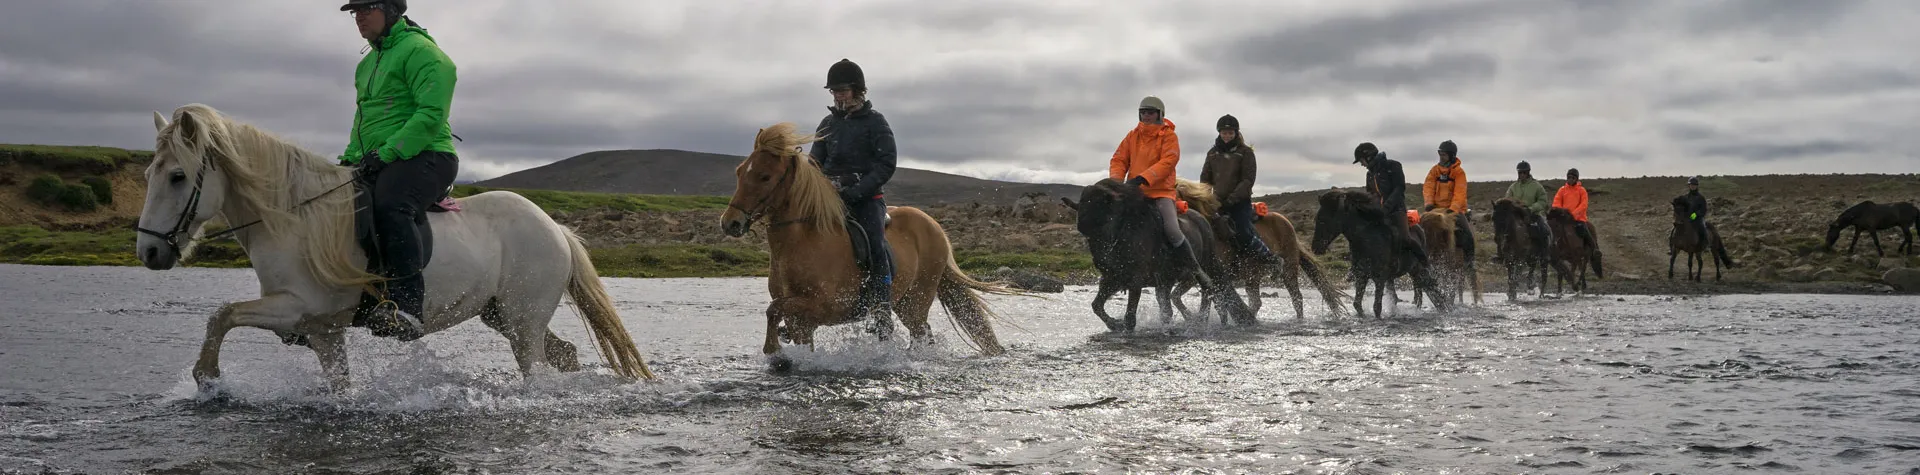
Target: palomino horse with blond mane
[(311, 273), (813, 276), (1446, 259), (1277, 232)]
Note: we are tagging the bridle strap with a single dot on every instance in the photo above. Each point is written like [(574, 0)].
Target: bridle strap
[(182, 227), (185, 221), (760, 209)]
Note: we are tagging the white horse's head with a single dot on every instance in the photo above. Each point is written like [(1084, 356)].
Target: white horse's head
[(185, 188)]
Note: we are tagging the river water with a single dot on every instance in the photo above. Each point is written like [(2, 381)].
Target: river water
[(94, 378)]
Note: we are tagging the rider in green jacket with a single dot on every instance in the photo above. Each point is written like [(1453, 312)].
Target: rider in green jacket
[(402, 148)]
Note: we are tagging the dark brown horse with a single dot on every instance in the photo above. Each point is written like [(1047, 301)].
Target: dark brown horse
[(1376, 256), (1570, 255), (1523, 245), (1872, 218), (1686, 238), (1277, 232), (1130, 250)]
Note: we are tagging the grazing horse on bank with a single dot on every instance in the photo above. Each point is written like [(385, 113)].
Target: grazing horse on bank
[(1277, 232), (814, 275), (1570, 256), (1376, 256), (1686, 238), (311, 273), (1872, 218), (1130, 249), (1523, 245), (1447, 258)]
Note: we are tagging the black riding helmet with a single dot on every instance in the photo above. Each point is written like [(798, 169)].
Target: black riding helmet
[(1573, 172), (394, 7), (846, 74), (1693, 180), (1365, 151), (1227, 122), (1524, 167), (1449, 148)]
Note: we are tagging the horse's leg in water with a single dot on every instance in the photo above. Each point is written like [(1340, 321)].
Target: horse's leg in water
[(1382, 287), (331, 347), (1133, 307), (1180, 290), (524, 328), (1291, 277), (1165, 297), (277, 311), (1359, 297), (788, 311), (1100, 297), (912, 308)]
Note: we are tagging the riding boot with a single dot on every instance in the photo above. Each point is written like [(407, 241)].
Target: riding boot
[(1184, 260), (401, 319), (1593, 249), (880, 308)]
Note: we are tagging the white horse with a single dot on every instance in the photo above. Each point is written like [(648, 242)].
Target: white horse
[(500, 258)]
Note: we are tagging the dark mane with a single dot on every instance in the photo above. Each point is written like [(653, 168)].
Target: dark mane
[(1854, 212), (1560, 215)]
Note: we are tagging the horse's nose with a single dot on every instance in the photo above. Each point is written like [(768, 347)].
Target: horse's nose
[(152, 254), (733, 228)]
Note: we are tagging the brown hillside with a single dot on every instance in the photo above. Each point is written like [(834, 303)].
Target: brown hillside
[(129, 191), (1774, 225), (678, 172)]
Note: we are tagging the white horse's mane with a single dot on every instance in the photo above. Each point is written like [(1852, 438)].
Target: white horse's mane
[(266, 178)]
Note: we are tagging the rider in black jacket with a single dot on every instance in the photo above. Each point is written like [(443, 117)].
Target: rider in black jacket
[(856, 151)]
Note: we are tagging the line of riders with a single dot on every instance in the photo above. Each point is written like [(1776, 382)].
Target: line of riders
[(401, 147)]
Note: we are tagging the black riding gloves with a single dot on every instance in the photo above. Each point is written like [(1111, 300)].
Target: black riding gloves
[(1137, 181)]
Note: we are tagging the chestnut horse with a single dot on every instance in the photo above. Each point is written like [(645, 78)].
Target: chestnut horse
[(813, 278), (1448, 262), (1277, 232)]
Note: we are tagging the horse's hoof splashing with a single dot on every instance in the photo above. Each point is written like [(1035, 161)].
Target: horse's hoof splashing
[(779, 364)]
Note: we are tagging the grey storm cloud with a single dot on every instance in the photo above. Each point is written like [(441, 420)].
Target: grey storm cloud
[(1034, 91)]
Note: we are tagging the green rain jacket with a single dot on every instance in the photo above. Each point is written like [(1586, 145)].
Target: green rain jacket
[(403, 90)]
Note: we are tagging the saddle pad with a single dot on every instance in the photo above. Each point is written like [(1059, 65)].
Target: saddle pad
[(446, 205)]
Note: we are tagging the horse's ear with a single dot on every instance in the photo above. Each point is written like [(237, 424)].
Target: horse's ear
[(185, 124), (159, 121), (1070, 204)]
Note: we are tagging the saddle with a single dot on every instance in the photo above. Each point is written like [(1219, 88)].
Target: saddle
[(1259, 211), (363, 225), (862, 256)]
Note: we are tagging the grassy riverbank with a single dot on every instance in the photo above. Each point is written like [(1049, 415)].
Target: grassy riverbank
[(32, 245)]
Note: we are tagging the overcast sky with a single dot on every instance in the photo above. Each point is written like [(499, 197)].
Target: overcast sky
[(1034, 90)]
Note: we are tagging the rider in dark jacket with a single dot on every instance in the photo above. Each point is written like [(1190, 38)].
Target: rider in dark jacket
[(1230, 170), (1388, 182), (856, 151), (1697, 207)]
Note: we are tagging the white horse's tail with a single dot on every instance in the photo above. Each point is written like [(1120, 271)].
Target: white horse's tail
[(597, 308)]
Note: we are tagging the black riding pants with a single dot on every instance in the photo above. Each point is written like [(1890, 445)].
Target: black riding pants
[(402, 191), (872, 216)]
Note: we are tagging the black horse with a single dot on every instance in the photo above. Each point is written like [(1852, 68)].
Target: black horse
[(1130, 250), (1375, 255), (1523, 241), (1872, 218)]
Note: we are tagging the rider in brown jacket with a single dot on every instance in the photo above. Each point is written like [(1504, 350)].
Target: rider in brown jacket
[(1230, 171)]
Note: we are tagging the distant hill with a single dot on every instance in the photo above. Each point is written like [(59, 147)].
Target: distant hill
[(679, 172)]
